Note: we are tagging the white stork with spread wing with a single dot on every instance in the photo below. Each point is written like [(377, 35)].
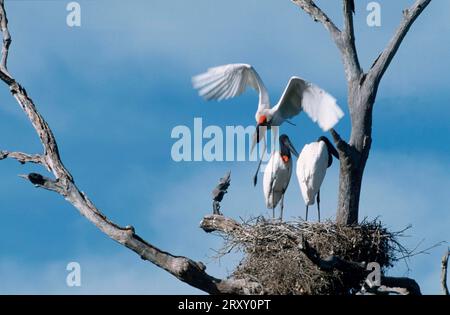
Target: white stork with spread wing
[(227, 81)]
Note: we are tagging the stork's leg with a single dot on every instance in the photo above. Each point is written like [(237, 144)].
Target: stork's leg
[(306, 212), (273, 204), (318, 204), (282, 207)]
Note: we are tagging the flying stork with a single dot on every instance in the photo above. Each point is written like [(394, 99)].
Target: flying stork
[(227, 81)]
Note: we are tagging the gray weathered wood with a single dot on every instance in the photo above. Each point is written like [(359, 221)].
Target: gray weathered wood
[(22, 157), (444, 266), (353, 155), (362, 92), (398, 285), (183, 268)]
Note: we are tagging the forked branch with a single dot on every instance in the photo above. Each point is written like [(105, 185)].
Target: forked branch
[(362, 92), (344, 40), (22, 158), (383, 61)]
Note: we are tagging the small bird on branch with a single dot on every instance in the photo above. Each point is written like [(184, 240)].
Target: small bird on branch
[(220, 191), (36, 179)]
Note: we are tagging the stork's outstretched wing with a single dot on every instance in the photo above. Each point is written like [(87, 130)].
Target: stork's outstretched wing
[(300, 95), (228, 81)]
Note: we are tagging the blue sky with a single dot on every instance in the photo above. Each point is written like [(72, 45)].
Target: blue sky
[(113, 89)]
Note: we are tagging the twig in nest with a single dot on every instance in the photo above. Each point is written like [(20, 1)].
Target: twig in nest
[(273, 256)]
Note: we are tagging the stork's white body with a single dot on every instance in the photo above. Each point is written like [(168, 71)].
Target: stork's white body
[(312, 166), (276, 179)]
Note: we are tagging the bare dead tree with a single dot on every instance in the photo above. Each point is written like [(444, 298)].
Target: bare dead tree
[(353, 156), (362, 92), (63, 183)]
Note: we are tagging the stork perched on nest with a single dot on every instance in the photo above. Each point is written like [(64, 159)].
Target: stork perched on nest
[(312, 165), (278, 174)]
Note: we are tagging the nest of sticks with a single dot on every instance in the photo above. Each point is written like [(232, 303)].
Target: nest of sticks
[(274, 258)]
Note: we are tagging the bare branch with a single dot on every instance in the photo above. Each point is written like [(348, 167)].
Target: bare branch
[(183, 268), (342, 146), (383, 61), (444, 266), (349, 10), (44, 182), (5, 76), (362, 92), (329, 263), (319, 16), (51, 151), (219, 223), (348, 52), (401, 285), (22, 157)]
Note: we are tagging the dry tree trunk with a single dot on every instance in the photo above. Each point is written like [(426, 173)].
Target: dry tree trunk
[(362, 92)]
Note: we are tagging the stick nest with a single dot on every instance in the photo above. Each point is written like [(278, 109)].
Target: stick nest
[(272, 256)]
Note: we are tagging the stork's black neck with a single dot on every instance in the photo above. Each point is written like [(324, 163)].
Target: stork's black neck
[(330, 148)]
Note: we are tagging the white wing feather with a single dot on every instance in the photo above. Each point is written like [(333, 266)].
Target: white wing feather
[(300, 95), (224, 82)]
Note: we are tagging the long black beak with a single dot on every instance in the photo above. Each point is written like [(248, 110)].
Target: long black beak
[(291, 147), (257, 139), (257, 135), (258, 127)]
